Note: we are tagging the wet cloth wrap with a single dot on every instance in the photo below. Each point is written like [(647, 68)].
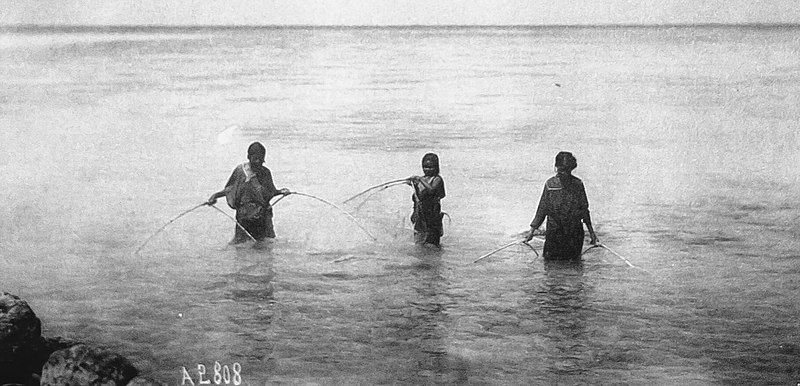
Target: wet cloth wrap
[(565, 206), (249, 190), (427, 215)]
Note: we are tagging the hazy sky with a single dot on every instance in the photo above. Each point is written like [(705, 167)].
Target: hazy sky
[(396, 12)]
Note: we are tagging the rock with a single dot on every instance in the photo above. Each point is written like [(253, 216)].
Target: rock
[(48, 346), (84, 365), (58, 343), (24, 354), (20, 335)]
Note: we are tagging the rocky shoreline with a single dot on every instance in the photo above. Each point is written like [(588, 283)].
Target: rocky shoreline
[(27, 358)]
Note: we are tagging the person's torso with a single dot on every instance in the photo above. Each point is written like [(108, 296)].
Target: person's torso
[(565, 203), (435, 195), (254, 186)]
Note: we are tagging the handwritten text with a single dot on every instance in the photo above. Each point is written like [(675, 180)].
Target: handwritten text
[(222, 375)]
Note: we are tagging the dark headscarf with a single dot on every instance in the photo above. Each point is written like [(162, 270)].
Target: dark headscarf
[(566, 161), (431, 159), (256, 148)]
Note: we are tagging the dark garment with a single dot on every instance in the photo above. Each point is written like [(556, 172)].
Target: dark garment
[(249, 190), (566, 207), (427, 215), (259, 229)]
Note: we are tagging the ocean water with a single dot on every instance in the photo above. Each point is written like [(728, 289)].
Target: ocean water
[(686, 140)]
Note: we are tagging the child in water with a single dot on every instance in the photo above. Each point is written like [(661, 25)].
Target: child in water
[(428, 192)]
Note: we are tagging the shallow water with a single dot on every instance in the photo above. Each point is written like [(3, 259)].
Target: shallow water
[(686, 139)]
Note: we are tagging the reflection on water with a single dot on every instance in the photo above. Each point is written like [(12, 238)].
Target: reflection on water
[(561, 299), (252, 281), (416, 329), (251, 288), (427, 324)]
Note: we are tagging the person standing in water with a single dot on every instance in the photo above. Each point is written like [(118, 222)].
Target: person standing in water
[(428, 192), (566, 208), (248, 191)]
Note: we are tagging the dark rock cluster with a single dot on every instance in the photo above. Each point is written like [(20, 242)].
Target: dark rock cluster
[(27, 358)]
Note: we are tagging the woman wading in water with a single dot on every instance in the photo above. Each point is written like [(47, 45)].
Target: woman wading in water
[(248, 191), (566, 208)]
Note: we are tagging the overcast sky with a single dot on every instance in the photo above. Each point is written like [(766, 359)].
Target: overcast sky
[(395, 12)]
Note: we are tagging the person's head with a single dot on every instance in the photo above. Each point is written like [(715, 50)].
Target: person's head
[(430, 164), (565, 162), (256, 153)]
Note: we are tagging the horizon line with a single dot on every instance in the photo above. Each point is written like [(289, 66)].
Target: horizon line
[(386, 26)]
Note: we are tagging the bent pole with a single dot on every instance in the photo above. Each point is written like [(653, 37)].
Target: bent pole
[(374, 187), (234, 220), (350, 216), (502, 248), (276, 201), (593, 246), (532, 248), (598, 245), (376, 191), (165, 225), (618, 255)]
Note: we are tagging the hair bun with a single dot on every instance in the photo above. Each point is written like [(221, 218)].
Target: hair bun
[(566, 160)]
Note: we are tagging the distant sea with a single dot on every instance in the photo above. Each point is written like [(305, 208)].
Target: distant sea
[(686, 139)]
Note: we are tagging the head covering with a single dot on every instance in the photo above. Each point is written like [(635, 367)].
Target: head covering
[(256, 148), (566, 161), (431, 160)]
